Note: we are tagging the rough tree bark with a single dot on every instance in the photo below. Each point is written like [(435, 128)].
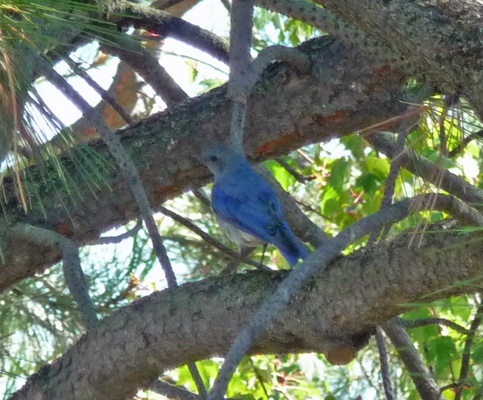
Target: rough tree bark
[(339, 306), (441, 39)]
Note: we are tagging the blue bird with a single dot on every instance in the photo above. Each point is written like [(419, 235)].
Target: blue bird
[(247, 207)]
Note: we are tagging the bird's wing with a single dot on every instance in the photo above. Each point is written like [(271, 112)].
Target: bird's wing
[(254, 211)]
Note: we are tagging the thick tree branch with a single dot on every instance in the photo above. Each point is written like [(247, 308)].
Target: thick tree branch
[(126, 13), (328, 22), (443, 40), (337, 307), (130, 50)]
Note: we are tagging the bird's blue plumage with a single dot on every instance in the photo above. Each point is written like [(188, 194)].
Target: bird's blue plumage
[(244, 201)]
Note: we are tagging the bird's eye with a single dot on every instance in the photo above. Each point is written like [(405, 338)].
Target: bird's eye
[(213, 158)]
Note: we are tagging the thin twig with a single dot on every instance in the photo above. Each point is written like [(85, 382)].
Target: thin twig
[(449, 102), (240, 60), (240, 45), (79, 127), (71, 265), (453, 385), (426, 169), (384, 360), (119, 238), (396, 163), (201, 196), (195, 373), (206, 237), (106, 96), (45, 109), (128, 169), (259, 377), (465, 141), (171, 391), (423, 380), (393, 174), (418, 323), (292, 171), (233, 265), (465, 361), (238, 122), (309, 208), (130, 173), (305, 156)]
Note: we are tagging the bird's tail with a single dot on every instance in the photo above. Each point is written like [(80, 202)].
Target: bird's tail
[(293, 250)]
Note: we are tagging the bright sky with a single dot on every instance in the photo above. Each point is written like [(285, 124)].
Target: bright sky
[(209, 14)]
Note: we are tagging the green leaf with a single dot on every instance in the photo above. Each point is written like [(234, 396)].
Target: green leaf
[(414, 395), (477, 353), (194, 72), (339, 173), (441, 351), (330, 201), (368, 182), (378, 166), (209, 84), (184, 375), (208, 370), (277, 21), (355, 144), (280, 174), (449, 394)]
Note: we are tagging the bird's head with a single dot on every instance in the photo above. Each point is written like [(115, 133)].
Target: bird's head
[(221, 158)]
